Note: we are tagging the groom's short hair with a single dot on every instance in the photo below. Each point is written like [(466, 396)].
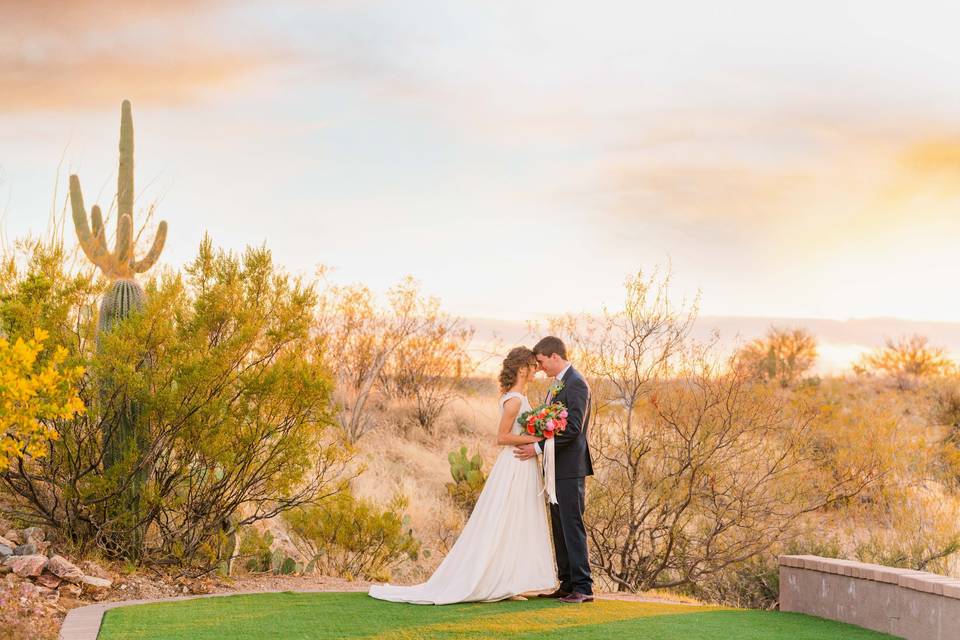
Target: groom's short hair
[(549, 346)]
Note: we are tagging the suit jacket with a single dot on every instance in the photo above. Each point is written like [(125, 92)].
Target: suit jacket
[(572, 450)]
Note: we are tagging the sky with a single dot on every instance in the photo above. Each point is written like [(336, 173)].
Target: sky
[(794, 162)]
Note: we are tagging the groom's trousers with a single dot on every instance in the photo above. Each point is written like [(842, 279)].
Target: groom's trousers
[(570, 536)]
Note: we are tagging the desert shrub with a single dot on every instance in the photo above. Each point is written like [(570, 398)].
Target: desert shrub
[(906, 360), (254, 551), (447, 528), (235, 407), (468, 479), (428, 369), (918, 531), (35, 390), (755, 582), (698, 467), (782, 356), (352, 537), (943, 396), (359, 338)]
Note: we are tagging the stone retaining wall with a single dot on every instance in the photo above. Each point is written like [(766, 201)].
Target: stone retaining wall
[(910, 604)]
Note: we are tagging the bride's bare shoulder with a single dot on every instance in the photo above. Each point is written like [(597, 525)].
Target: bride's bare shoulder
[(511, 400)]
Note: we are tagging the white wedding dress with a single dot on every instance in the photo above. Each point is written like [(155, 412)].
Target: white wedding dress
[(505, 548)]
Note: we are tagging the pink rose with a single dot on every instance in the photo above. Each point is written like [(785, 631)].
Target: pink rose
[(551, 425), (563, 414)]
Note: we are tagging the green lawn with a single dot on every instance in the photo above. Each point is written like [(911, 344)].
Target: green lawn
[(355, 615)]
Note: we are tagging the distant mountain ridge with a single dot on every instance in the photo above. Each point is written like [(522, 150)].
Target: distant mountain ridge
[(840, 341)]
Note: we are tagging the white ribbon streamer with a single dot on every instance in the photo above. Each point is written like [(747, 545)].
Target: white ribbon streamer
[(549, 471)]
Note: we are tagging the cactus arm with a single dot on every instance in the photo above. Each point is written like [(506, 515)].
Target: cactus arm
[(93, 247), (96, 218), (139, 266)]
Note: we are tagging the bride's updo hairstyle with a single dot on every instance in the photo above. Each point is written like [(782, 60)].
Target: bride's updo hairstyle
[(518, 358)]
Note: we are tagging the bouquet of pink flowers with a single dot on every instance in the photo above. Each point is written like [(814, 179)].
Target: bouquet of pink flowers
[(546, 420)]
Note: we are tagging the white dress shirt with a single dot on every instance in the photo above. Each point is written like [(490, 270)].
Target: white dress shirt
[(536, 445)]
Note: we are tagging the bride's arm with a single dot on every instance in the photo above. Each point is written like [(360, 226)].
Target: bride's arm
[(511, 409)]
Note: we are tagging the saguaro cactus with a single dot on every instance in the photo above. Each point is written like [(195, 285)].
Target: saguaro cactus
[(125, 297), (120, 263)]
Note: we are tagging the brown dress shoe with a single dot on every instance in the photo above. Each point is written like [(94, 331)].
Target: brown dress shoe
[(576, 598), (559, 593)]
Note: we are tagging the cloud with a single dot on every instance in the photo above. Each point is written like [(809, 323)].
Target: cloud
[(88, 54), (783, 183)]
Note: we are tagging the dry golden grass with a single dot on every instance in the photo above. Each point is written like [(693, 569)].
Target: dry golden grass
[(913, 510), (414, 462)]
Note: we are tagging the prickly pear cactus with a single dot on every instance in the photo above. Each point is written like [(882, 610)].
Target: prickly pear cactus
[(468, 478)]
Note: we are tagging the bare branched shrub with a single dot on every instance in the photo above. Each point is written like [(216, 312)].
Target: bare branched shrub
[(359, 339), (428, 370), (698, 467)]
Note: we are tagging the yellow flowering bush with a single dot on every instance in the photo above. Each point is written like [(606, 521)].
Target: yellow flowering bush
[(33, 393)]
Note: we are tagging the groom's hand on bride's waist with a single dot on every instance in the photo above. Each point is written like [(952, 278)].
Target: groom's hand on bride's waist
[(524, 451)]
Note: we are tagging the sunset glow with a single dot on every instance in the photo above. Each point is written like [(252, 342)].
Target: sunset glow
[(791, 164)]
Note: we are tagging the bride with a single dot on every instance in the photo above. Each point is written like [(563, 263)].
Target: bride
[(504, 549)]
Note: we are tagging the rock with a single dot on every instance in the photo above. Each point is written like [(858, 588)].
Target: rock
[(94, 584), (35, 533), (5, 550), (5, 569), (13, 536), (49, 580), (9, 543), (70, 589), (27, 549), (26, 566), (42, 547), (64, 569), (93, 569)]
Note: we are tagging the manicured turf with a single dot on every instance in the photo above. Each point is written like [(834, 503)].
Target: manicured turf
[(302, 616)]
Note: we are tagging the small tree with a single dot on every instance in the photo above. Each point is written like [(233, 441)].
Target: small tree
[(358, 339), (429, 368), (697, 466), (907, 360), (783, 355)]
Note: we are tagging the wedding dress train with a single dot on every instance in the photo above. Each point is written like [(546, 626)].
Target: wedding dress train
[(504, 549)]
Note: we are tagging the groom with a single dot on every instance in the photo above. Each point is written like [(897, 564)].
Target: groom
[(573, 464)]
